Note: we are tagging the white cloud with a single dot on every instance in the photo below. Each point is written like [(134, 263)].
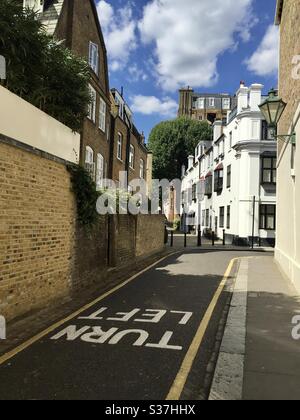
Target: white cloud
[(119, 28), (149, 105), (190, 35), (265, 60), (137, 74)]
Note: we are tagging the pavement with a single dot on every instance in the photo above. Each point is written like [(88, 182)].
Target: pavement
[(259, 357)]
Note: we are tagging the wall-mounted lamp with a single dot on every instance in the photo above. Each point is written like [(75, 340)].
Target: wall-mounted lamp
[(272, 109)]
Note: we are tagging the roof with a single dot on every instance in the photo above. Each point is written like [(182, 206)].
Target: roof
[(51, 15), (279, 8)]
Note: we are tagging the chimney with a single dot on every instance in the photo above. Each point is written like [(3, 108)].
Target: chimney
[(143, 138), (191, 161), (242, 98), (218, 129), (255, 96)]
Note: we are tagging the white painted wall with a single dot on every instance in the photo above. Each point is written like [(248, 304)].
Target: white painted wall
[(288, 211), (245, 159), (23, 122)]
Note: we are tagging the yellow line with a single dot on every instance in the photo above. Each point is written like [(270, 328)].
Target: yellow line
[(181, 378), (58, 324)]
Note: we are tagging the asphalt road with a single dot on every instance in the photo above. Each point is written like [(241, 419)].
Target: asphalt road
[(131, 345)]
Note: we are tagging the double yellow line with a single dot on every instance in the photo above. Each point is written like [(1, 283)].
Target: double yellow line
[(187, 364)]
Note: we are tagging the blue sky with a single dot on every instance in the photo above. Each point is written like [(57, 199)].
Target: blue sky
[(157, 46)]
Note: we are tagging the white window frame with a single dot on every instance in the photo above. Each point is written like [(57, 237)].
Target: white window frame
[(94, 57), (89, 161), (131, 156), (100, 171), (93, 104), (201, 103), (226, 104), (102, 115), (120, 146), (211, 102)]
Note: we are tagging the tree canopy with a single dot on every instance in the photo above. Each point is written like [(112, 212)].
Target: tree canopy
[(40, 70), (171, 142)]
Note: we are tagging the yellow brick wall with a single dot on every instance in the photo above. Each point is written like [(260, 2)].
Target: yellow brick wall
[(36, 230), (289, 88)]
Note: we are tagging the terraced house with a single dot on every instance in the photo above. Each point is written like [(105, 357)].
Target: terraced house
[(129, 153), (76, 23)]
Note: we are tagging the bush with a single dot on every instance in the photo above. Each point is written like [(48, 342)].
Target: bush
[(40, 70)]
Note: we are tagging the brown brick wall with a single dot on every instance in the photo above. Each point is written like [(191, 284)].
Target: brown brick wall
[(289, 88), (36, 230), (149, 235), (44, 253), (78, 25)]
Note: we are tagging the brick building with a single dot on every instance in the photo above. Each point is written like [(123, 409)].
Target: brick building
[(128, 150), (76, 23), (288, 206), (205, 106)]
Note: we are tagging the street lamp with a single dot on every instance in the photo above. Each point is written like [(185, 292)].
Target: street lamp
[(272, 109)]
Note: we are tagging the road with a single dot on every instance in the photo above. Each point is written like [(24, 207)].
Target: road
[(131, 344)]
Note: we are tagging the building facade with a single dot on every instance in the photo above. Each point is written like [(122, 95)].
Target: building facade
[(205, 106), (129, 152), (288, 213), (230, 184), (76, 23)]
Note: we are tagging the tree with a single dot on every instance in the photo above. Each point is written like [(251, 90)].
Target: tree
[(171, 142), (40, 70)]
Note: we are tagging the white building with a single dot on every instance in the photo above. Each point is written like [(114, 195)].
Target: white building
[(230, 184)]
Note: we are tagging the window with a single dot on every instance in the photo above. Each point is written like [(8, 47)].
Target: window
[(228, 217), (211, 102), (131, 157), (94, 57), (100, 171), (269, 170), (201, 103), (102, 115), (226, 103), (207, 219), (142, 169), (229, 176), (267, 217), (230, 140), (92, 106), (89, 161), (222, 216), (218, 181), (194, 192), (120, 146), (208, 185)]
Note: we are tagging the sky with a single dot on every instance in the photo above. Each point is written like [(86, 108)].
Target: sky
[(156, 47)]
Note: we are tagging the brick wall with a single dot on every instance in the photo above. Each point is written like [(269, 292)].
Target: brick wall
[(44, 253), (36, 230), (289, 88), (149, 234)]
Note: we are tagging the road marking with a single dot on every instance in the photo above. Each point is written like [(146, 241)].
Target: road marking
[(58, 324), (185, 369)]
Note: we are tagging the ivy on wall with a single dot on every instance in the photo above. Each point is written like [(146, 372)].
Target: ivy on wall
[(86, 194)]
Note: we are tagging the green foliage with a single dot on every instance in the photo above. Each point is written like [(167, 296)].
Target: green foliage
[(172, 141), (86, 194), (41, 71), (177, 224)]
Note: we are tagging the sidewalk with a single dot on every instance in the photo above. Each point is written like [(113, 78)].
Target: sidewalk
[(259, 359)]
